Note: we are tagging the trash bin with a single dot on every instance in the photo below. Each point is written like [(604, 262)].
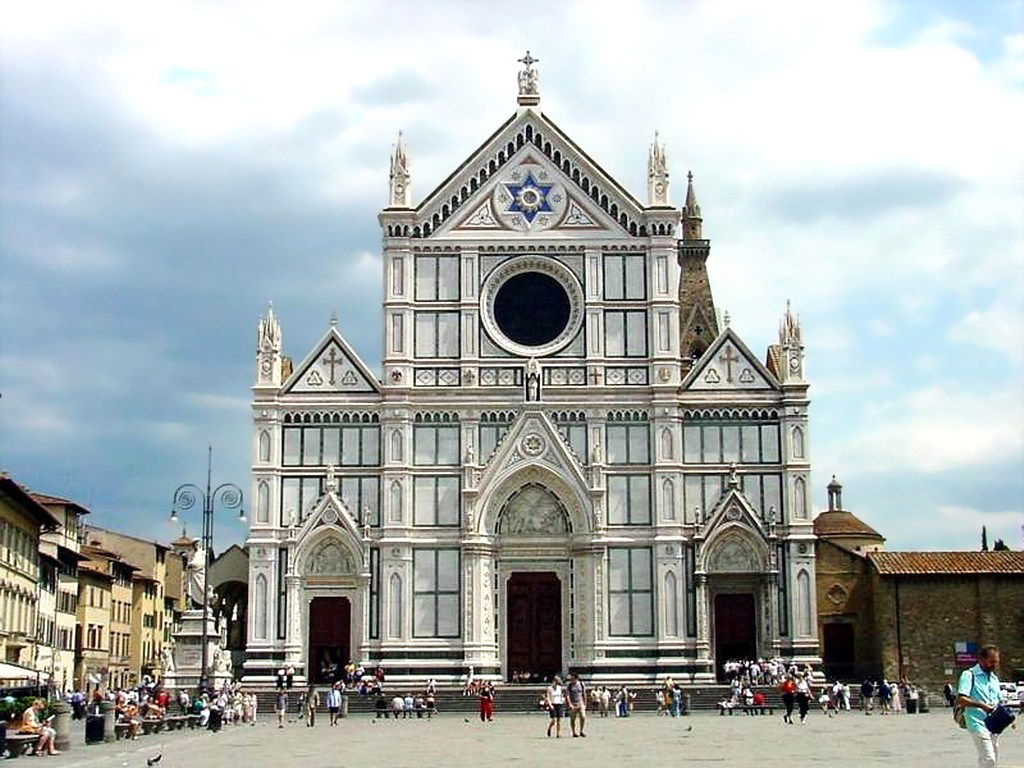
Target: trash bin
[(94, 729), (343, 712), (911, 706), (923, 703), (686, 704)]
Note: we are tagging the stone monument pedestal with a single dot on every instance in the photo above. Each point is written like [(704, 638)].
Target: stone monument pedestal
[(188, 654)]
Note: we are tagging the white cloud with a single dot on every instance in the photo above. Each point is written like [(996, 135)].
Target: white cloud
[(999, 326), (936, 430)]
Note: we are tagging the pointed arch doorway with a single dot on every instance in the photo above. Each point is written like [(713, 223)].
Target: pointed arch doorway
[(330, 625), (534, 625)]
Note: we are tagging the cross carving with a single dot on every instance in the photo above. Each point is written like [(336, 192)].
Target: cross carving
[(595, 376), (528, 60), (332, 360), (729, 358)]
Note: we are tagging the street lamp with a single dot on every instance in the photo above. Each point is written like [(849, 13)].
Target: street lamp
[(185, 497)]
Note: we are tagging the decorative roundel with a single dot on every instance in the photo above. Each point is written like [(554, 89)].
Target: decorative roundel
[(532, 444), (531, 305), (330, 516)]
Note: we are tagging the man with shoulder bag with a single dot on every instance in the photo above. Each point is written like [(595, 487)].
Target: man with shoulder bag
[(978, 708)]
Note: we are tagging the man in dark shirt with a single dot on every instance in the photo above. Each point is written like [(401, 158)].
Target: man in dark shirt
[(867, 693)]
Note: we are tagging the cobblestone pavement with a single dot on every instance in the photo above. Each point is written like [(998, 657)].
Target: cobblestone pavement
[(518, 740)]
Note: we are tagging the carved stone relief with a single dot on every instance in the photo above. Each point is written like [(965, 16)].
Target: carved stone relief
[(330, 559), (534, 510), (733, 556)]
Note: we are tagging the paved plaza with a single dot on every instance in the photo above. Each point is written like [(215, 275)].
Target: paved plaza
[(648, 740)]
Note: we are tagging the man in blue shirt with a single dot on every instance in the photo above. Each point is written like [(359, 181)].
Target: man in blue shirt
[(978, 694)]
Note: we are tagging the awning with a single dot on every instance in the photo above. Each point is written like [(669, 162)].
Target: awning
[(18, 672)]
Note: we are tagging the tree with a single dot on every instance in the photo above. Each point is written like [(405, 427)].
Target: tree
[(1000, 546)]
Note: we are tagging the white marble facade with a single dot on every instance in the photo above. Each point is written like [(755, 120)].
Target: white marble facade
[(589, 446)]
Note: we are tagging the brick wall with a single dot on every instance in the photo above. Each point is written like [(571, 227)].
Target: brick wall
[(844, 590)]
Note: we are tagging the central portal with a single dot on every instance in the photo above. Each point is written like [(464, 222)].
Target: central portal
[(330, 623), (534, 626), (735, 629)]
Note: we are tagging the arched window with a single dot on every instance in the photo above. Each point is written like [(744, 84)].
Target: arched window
[(667, 451), (803, 603), (798, 443), (671, 605), (800, 498), (264, 446), (263, 503), (395, 501), (397, 452), (260, 608), (668, 499), (395, 606)]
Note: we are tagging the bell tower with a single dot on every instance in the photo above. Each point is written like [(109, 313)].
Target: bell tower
[(698, 324)]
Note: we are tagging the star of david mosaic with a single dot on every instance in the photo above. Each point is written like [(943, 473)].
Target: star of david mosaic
[(529, 198)]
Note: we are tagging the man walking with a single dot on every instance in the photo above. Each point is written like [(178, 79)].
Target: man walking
[(977, 695), (867, 694), (312, 702), (334, 702), (487, 702), (577, 704)]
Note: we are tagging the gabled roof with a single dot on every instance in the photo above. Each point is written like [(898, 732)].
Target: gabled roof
[(25, 501), (320, 373), (46, 498), (947, 563), (528, 130), (734, 369)]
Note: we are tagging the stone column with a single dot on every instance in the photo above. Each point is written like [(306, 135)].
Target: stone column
[(293, 637), (62, 724), (703, 619), (107, 711)]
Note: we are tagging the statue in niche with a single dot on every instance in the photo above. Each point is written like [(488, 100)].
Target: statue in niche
[(330, 560), (532, 380)]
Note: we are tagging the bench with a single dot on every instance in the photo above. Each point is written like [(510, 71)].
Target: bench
[(759, 709), (121, 730), (152, 725), (193, 721), (175, 722), (19, 744)]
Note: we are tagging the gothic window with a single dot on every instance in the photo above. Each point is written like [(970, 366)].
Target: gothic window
[(667, 443), (630, 593), (803, 602), (798, 443), (800, 498), (437, 278), (437, 334), (361, 496), (264, 449), (263, 503), (625, 333), (395, 501), (628, 443), (493, 427), (668, 499), (373, 630), (260, 614), (730, 442), (338, 446), (395, 606), (762, 491), (436, 500), (397, 447), (298, 497), (625, 277), (436, 586), (701, 492), (629, 500), (436, 445), (572, 426), (671, 602)]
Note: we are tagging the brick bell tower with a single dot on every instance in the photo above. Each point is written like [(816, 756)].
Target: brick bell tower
[(698, 325)]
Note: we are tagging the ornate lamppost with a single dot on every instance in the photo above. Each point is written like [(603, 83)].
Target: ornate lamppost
[(185, 497)]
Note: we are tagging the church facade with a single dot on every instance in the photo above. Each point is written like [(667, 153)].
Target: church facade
[(567, 463)]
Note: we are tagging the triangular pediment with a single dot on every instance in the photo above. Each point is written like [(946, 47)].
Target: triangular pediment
[(530, 196), (729, 365), (484, 196), (733, 508), (330, 519), (532, 439), (332, 367)]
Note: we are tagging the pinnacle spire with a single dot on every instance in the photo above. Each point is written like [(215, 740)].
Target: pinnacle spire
[(399, 178), (657, 174), (692, 221)]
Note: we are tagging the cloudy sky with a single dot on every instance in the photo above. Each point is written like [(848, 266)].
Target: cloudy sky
[(166, 173)]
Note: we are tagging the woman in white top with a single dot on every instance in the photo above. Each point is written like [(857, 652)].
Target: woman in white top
[(555, 697)]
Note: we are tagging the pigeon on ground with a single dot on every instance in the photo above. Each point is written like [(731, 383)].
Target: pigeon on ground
[(154, 760)]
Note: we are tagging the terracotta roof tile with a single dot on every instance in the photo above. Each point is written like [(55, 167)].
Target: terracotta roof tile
[(925, 563), (835, 522)]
